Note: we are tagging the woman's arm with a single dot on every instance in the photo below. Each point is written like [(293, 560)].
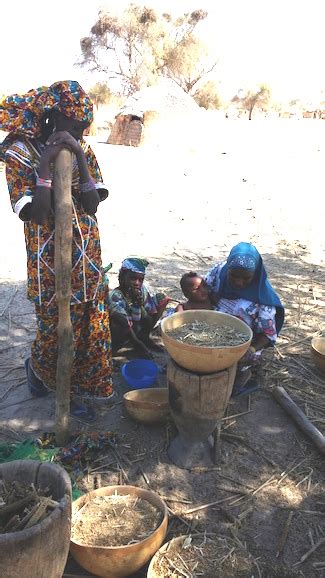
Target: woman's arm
[(21, 182), (88, 192), (41, 206), (260, 341), (122, 330), (95, 172), (212, 280)]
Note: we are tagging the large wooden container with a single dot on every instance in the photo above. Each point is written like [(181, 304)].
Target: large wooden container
[(318, 352), (40, 551), (119, 561), (204, 359), (197, 404), (149, 406), (151, 573)]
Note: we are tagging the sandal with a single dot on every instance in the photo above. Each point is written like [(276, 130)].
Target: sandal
[(35, 385), (82, 411), (250, 386)]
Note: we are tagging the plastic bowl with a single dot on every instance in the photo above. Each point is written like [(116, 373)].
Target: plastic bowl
[(149, 406), (318, 352), (204, 359), (140, 373)]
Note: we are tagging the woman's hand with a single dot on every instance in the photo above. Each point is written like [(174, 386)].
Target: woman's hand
[(90, 201), (63, 139), (41, 205), (250, 354), (56, 143)]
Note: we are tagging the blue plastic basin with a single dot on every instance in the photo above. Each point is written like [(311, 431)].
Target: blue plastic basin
[(140, 373)]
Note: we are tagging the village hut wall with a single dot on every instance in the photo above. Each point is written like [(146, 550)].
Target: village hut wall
[(152, 114)]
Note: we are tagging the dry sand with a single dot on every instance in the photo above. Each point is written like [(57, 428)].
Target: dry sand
[(183, 204), (261, 181)]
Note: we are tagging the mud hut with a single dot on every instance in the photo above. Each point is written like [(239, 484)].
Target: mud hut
[(158, 105)]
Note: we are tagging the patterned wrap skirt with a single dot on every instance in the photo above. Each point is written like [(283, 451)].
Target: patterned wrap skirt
[(92, 363)]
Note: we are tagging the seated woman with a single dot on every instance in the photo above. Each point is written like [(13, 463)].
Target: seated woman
[(196, 292), (134, 310), (240, 287)]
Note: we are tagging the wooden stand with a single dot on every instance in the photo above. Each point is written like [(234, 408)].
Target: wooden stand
[(63, 265), (197, 404)]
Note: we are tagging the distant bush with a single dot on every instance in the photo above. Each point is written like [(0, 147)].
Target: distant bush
[(207, 97)]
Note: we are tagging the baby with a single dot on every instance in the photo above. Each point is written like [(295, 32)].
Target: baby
[(196, 291)]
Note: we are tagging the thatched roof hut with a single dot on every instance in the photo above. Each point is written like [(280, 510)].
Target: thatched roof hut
[(162, 102)]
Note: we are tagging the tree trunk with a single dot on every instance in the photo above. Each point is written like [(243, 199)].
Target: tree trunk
[(63, 265)]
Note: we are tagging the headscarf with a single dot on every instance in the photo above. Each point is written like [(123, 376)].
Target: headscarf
[(135, 264), (22, 114), (246, 256), (249, 262)]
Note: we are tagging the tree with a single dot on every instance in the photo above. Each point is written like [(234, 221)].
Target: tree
[(295, 102), (207, 96), (100, 94), (188, 62), (253, 98), (138, 45)]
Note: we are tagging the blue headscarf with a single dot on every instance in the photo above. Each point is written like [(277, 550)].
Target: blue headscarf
[(246, 256), (135, 264)]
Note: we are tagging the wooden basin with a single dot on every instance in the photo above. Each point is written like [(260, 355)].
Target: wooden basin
[(119, 561), (179, 541), (42, 550), (197, 404), (148, 406), (318, 352), (204, 359)]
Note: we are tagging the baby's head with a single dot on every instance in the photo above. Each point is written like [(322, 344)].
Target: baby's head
[(194, 287)]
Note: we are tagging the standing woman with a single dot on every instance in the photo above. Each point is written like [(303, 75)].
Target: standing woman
[(40, 124), (240, 287)]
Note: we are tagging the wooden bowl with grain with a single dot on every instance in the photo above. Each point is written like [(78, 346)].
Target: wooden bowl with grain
[(148, 406), (317, 350), (204, 359)]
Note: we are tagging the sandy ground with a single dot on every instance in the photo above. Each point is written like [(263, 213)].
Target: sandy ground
[(184, 204)]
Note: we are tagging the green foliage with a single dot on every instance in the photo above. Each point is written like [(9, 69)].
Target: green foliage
[(207, 96), (100, 94), (137, 46), (26, 450)]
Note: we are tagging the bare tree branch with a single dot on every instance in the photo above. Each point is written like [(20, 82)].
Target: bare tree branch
[(145, 45)]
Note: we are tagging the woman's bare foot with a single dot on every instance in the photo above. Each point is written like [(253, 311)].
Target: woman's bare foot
[(242, 377)]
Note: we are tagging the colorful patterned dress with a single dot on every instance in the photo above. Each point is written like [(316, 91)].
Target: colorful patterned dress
[(92, 367), (260, 318), (135, 313)]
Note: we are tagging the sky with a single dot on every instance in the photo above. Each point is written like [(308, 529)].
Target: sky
[(280, 43)]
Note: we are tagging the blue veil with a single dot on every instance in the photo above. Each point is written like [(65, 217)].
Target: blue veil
[(260, 289)]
